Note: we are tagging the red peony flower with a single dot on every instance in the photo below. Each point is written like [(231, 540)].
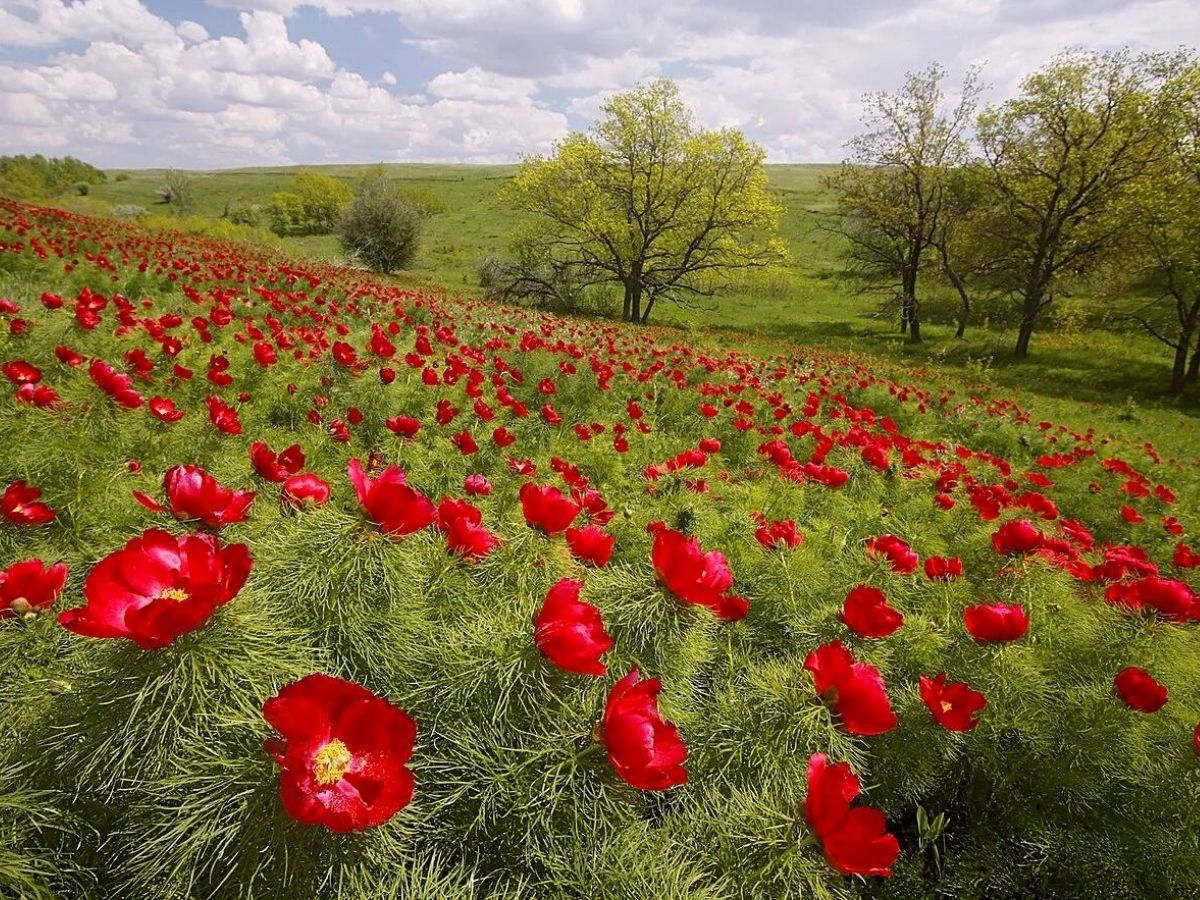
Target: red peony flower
[(867, 613), (547, 508), (404, 426), (223, 416), (463, 526), (465, 442), (29, 586), (570, 632), (391, 504), (779, 535), (477, 484), (855, 690), (21, 507), (68, 357), (276, 467), (644, 748), (955, 706), (1174, 599), (342, 753), (696, 577), (941, 568), (1139, 689), (305, 489), (856, 841), (18, 371), (39, 395), (591, 544), (158, 588), (117, 385), (194, 494), (165, 410), (996, 621), (898, 553), (1017, 537)]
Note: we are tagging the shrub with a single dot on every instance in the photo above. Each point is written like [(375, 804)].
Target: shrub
[(381, 228), (129, 211), (311, 206), (286, 213), (252, 214)]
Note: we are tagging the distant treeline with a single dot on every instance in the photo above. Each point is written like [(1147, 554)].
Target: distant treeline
[(37, 176)]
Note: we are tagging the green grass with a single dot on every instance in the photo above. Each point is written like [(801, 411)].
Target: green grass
[(132, 775), (808, 302)]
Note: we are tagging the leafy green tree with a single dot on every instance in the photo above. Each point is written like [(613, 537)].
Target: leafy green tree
[(381, 227), (311, 206), (1063, 157), (34, 177), (650, 203), (894, 192), (1166, 212), (286, 213), (21, 180)]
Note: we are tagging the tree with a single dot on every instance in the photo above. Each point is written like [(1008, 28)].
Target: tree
[(1166, 213), (650, 203), (178, 190), (381, 227), (34, 177), (311, 206), (1062, 158), (893, 191)]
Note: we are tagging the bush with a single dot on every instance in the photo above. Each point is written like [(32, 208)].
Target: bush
[(252, 214), (311, 206), (381, 228), (285, 212), (129, 211)]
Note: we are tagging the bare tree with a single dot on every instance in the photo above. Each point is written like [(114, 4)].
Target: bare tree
[(893, 190)]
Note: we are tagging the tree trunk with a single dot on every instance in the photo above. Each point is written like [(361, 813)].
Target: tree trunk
[(1193, 370), (1033, 305), (914, 321), (649, 306), (635, 314), (960, 286), (627, 309), (911, 307), (1179, 370)]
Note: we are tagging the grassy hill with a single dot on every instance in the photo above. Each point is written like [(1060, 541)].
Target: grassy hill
[(810, 301)]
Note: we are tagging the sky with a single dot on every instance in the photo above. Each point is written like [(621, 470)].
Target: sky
[(204, 84)]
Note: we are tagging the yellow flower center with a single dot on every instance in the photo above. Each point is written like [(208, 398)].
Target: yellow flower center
[(331, 762), (946, 707), (173, 594)]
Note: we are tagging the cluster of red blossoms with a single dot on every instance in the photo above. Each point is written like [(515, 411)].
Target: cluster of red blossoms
[(343, 752)]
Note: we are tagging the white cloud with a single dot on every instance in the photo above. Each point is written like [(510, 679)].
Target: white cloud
[(47, 22), (191, 31), (119, 84)]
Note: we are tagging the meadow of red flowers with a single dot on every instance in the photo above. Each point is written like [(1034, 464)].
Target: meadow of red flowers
[(312, 585)]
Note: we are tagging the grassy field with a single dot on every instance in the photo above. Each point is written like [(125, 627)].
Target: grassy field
[(808, 302), (163, 736)]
